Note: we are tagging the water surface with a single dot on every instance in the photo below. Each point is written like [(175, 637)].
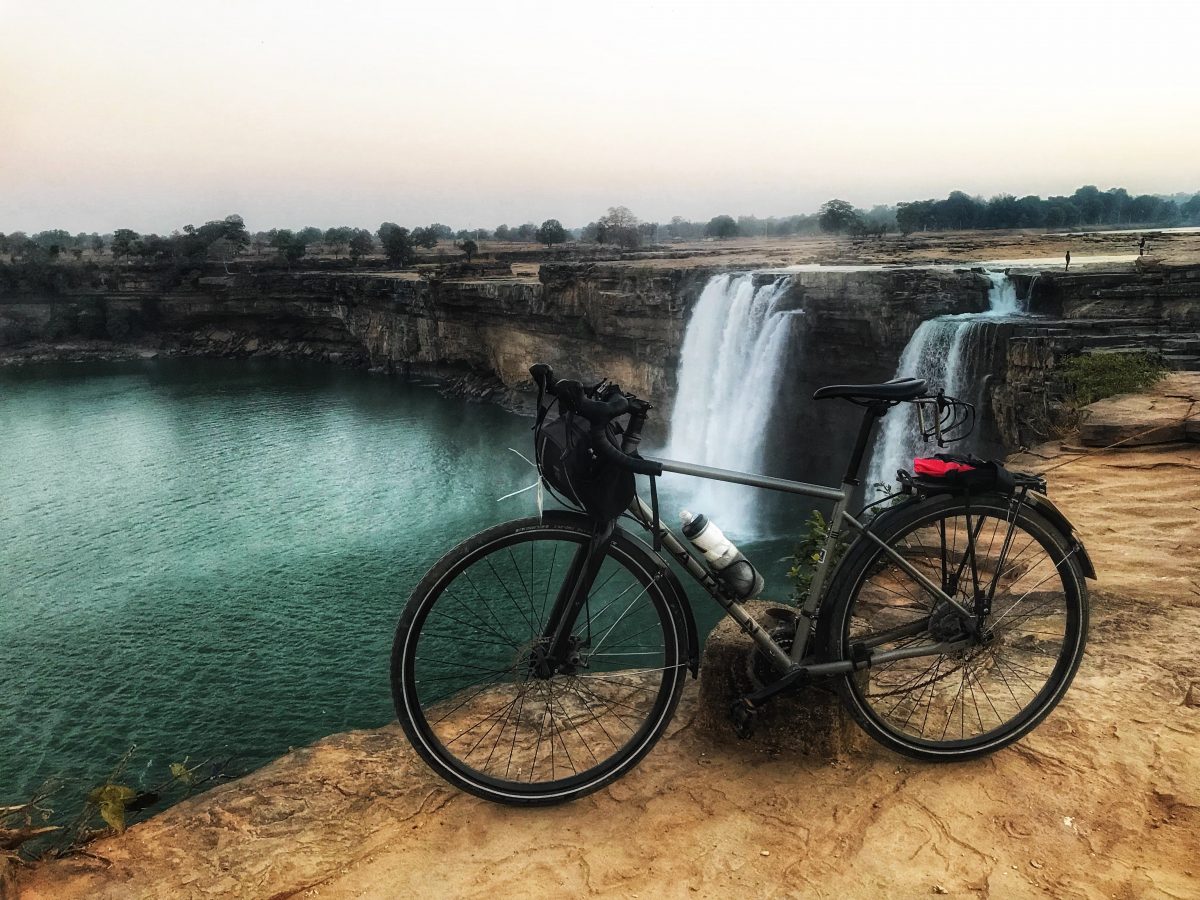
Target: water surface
[(206, 558)]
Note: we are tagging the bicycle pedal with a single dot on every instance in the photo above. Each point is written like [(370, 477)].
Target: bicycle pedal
[(743, 716)]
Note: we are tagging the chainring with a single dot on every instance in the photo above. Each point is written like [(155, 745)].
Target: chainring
[(760, 669)]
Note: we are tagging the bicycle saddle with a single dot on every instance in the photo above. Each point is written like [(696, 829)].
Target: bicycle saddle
[(897, 390)]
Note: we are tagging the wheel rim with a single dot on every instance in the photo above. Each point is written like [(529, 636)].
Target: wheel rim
[(469, 687), (983, 694)]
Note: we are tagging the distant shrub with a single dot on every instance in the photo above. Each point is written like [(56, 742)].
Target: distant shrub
[(1094, 376)]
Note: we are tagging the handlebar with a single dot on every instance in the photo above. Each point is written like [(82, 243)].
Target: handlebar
[(599, 413)]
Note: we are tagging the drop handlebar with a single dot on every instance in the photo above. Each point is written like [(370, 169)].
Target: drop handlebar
[(599, 413)]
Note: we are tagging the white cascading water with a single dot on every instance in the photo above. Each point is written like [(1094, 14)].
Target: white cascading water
[(942, 351), (730, 369)]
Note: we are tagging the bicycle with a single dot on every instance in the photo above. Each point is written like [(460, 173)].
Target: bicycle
[(543, 658)]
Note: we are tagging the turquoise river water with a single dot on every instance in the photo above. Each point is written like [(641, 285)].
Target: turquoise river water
[(208, 558)]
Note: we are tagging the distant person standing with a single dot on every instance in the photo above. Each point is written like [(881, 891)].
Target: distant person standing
[(1068, 265), (1142, 246)]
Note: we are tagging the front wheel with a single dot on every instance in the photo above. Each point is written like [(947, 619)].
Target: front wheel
[(470, 685), (1000, 685)]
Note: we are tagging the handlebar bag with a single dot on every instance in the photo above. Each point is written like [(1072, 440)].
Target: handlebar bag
[(570, 468), (955, 473)]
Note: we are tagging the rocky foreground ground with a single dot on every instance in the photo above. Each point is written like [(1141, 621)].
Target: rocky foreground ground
[(1103, 800)]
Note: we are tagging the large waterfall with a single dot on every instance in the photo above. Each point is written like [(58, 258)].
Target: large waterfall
[(729, 374), (949, 352)]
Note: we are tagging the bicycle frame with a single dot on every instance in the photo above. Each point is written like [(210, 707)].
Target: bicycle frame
[(573, 593), (839, 517)]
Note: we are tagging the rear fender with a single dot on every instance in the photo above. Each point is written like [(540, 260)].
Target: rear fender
[(1046, 507), (1039, 502)]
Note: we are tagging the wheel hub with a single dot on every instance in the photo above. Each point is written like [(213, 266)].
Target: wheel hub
[(945, 623), (543, 666)]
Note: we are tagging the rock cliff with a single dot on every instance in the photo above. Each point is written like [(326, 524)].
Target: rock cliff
[(625, 321), (620, 319)]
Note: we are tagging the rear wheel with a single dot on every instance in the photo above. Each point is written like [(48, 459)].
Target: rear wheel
[(465, 673), (979, 698)]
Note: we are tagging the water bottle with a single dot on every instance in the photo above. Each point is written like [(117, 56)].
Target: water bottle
[(724, 560)]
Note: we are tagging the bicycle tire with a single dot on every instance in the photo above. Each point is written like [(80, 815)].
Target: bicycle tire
[(652, 693), (1028, 643)]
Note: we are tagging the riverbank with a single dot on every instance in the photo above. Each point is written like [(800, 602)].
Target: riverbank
[(1101, 800)]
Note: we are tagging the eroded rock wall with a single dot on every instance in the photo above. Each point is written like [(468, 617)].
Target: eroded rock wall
[(625, 322)]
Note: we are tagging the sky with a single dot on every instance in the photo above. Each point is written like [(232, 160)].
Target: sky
[(152, 115)]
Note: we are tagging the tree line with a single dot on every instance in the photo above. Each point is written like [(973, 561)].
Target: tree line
[(227, 238)]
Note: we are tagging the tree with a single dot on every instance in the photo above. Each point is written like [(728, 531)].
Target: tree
[(425, 237), (1116, 202), (337, 239), (17, 242), (123, 240), (525, 232), (551, 232), (1090, 203), (155, 248), (1032, 212), (360, 243), (97, 244), (1191, 210), (309, 235), (502, 233), (1003, 211), (289, 244), (397, 244), (469, 248), (48, 240), (619, 226), (838, 217), (721, 227), (1143, 208), (231, 229), (959, 211)]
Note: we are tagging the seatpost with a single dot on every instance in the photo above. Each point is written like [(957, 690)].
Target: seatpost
[(875, 409)]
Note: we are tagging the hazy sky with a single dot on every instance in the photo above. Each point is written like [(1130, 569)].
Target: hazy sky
[(151, 115)]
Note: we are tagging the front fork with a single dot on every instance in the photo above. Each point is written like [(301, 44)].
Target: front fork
[(556, 649)]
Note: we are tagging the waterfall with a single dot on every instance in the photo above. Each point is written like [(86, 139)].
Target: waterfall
[(730, 369), (1002, 296), (949, 352)]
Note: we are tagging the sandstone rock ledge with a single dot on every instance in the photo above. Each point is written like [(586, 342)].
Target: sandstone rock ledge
[(1102, 800), (1168, 412)]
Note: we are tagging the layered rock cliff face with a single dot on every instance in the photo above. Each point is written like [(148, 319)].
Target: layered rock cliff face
[(623, 321), (1154, 309)]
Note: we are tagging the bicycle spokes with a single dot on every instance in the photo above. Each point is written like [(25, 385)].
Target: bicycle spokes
[(499, 699), (992, 567)]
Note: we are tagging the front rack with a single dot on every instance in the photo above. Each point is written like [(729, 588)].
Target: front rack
[(944, 419)]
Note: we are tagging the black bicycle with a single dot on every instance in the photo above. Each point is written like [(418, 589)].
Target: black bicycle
[(542, 658)]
